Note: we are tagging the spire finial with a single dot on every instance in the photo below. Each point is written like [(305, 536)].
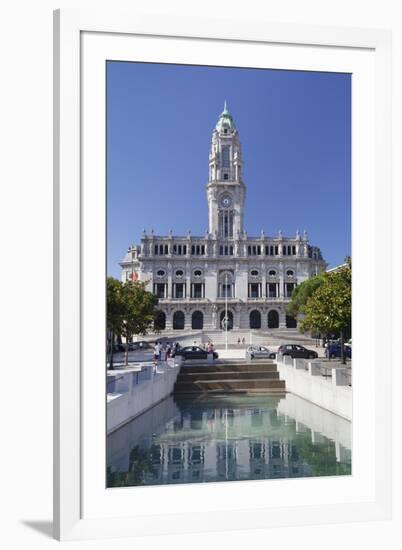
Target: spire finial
[(225, 107)]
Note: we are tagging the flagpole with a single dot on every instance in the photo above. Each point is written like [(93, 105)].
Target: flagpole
[(226, 312)]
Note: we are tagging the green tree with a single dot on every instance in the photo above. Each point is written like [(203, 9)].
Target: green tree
[(302, 293), (114, 313), (139, 310), (329, 308)]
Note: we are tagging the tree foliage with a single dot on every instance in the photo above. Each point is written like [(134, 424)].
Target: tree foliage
[(329, 308), (302, 293), (130, 310)]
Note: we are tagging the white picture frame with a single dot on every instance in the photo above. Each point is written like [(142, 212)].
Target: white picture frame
[(83, 507)]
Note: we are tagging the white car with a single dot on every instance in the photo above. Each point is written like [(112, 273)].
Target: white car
[(259, 352)]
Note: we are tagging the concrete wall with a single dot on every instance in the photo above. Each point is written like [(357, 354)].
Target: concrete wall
[(136, 390), (317, 420), (304, 378)]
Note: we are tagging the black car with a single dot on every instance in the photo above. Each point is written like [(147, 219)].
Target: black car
[(296, 352), (194, 352)]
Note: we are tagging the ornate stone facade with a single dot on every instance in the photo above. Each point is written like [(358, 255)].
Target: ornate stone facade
[(194, 276)]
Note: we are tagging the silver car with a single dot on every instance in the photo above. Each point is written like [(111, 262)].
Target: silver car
[(259, 352)]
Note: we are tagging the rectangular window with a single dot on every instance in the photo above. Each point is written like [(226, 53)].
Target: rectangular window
[(184, 249), (289, 289), (179, 290), (294, 250), (159, 290), (276, 250), (253, 290), (272, 290), (226, 291), (156, 249), (197, 290), (226, 156)]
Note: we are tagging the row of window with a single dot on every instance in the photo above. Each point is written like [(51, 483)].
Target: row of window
[(179, 249), (198, 273), (272, 250), (179, 290), (226, 290), (252, 250), (197, 320)]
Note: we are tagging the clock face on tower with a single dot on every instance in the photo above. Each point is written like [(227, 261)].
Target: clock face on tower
[(226, 201)]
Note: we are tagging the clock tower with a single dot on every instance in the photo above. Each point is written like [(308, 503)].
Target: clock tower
[(225, 189)]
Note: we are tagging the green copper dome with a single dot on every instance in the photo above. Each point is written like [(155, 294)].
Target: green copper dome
[(225, 120)]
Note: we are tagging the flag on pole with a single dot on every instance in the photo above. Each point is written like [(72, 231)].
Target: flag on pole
[(134, 276)]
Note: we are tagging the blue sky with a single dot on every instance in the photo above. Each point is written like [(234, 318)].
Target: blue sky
[(295, 131)]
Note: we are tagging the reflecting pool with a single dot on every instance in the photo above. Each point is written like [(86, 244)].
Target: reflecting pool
[(228, 438)]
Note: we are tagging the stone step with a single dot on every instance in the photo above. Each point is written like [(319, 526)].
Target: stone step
[(256, 384), (185, 376), (218, 392), (230, 367)]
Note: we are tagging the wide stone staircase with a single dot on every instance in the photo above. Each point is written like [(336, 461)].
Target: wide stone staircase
[(229, 377)]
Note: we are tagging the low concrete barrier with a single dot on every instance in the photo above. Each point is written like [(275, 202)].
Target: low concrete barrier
[(135, 390), (304, 378)]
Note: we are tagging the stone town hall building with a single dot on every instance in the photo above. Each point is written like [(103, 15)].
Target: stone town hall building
[(194, 276)]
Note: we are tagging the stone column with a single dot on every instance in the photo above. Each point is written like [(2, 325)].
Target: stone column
[(281, 281), (282, 320), (264, 281), (169, 320), (169, 294), (236, 320), (188, 280)]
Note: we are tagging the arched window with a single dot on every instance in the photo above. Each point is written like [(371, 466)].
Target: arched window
[(160, 321), (273, 319), (178, 320), (289, 273), (291, 322), (272, 273), (255, 319), (197, 320)]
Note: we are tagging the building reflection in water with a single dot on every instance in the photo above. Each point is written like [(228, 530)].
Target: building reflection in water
[(228, 438)]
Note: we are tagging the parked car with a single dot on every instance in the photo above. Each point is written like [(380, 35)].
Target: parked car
[(194, 352), (259, 352), (295, 351), (334, 350)]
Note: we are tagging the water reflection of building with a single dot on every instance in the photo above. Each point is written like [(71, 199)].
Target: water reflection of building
[(218, 440)]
